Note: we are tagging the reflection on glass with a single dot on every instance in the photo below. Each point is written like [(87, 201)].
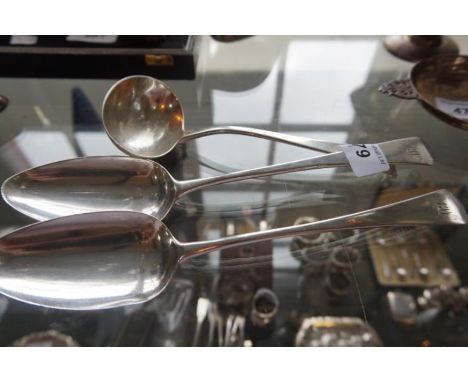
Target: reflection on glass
[(319, 77), (254, 106), (284, 153), (41, 147), (96, 143), (237, 156)]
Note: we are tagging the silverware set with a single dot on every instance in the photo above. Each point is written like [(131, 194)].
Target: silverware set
[(101, 242)]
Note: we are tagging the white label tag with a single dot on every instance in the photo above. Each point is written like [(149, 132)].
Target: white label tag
[(366, 159), (457, 109), (23, 40), (104, 39)]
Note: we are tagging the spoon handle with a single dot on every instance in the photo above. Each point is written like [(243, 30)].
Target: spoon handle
[(406, 150), (323, 161), (307, 143), (436, 208)]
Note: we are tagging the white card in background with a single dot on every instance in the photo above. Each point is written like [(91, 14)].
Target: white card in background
[(366, 159), (457, 109), (104, 39), (23, 40)]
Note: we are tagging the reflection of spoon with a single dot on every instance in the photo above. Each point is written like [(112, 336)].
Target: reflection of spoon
[(144, 118), (122, 183), (110, 259)]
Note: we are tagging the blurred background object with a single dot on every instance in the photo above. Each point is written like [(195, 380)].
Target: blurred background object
[(415, 48)]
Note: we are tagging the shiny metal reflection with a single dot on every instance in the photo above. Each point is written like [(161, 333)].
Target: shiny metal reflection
[(441, 83), (123, 183), (143, 117), (111, 259)]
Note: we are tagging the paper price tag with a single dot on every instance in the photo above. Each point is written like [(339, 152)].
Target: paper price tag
[(457, 109), (365, 159), (96, 39)]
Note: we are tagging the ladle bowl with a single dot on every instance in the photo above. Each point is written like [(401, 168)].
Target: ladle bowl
[(144, 118)]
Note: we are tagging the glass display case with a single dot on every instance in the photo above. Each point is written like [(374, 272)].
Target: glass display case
[(387, 286)]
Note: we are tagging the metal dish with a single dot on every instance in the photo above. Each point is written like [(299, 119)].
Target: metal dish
[(441, 83)]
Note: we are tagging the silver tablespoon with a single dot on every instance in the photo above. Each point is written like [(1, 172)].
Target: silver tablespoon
[(124, 183), (144, 118), (111, 259)]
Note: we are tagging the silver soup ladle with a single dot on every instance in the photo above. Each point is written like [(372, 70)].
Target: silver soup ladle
[(144, 118), (94, 184), (111, 259)]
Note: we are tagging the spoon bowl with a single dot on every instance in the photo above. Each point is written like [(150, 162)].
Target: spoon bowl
[(91, 184), (100, 259)]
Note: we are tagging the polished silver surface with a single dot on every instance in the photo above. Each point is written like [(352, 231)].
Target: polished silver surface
[(88, 261), (143, 117), (130, 184), (89, 185), (110, 259)]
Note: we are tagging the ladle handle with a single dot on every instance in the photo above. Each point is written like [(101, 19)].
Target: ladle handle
[(439, 207), (307, 143), (337, 159)]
